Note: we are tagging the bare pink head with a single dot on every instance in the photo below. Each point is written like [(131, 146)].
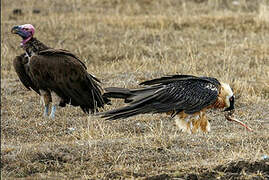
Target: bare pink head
[(25, 31)]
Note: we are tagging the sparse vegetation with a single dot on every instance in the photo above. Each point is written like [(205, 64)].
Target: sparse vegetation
[(124, 42)]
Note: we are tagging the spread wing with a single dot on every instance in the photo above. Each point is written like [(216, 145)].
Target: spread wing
[(23, 73), (66, 75), (189, 95)]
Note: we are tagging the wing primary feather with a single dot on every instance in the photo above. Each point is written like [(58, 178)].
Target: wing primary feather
[(174, 78), (168, 79)]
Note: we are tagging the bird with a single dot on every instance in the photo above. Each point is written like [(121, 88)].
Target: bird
[(57, 75), (186, 97)]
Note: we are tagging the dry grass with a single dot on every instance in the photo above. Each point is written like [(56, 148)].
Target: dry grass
[(124, 42)]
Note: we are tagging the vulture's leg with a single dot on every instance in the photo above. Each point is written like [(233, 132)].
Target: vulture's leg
[(53, 110), (204, 125), (46, 99), (201, 123), (183, 122), (46, 111), (195, 123), (55, 102)]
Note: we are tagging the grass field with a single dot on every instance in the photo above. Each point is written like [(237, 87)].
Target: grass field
[(124, 42)]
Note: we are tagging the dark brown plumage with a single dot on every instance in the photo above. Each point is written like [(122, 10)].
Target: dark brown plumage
[(57, 75), (181, 95)]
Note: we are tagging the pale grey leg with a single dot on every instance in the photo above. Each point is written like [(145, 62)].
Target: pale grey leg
[(52, 113), (45, 100), (46, 111), (55, 102)]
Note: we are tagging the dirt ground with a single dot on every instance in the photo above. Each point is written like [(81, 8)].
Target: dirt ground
[(124, 42)]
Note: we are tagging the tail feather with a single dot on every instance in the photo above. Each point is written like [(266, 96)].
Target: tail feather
[(130, 96), (124, 112), (114, 92), (93, 98), (142, 104), (95, 88)]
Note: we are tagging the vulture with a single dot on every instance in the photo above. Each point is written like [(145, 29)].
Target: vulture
[(185, 96), (57, 75)]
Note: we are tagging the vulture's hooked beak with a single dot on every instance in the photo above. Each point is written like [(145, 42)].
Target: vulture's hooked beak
[(15, 29), (231, 107), (22, 32)]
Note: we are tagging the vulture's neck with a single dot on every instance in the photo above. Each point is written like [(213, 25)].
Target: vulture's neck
[(34, 46)]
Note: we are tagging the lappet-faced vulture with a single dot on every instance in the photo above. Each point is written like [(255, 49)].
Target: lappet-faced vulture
[(55, 74)]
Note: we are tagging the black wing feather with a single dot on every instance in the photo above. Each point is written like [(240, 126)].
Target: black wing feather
[(189, 93), (67, 77), (19, 64), (174, 78), (51, 52)]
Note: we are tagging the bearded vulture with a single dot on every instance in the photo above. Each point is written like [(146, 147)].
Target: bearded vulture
[(186, 96), (55, 74)]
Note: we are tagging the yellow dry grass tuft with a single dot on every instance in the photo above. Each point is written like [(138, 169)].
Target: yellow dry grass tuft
[(124, 42)]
